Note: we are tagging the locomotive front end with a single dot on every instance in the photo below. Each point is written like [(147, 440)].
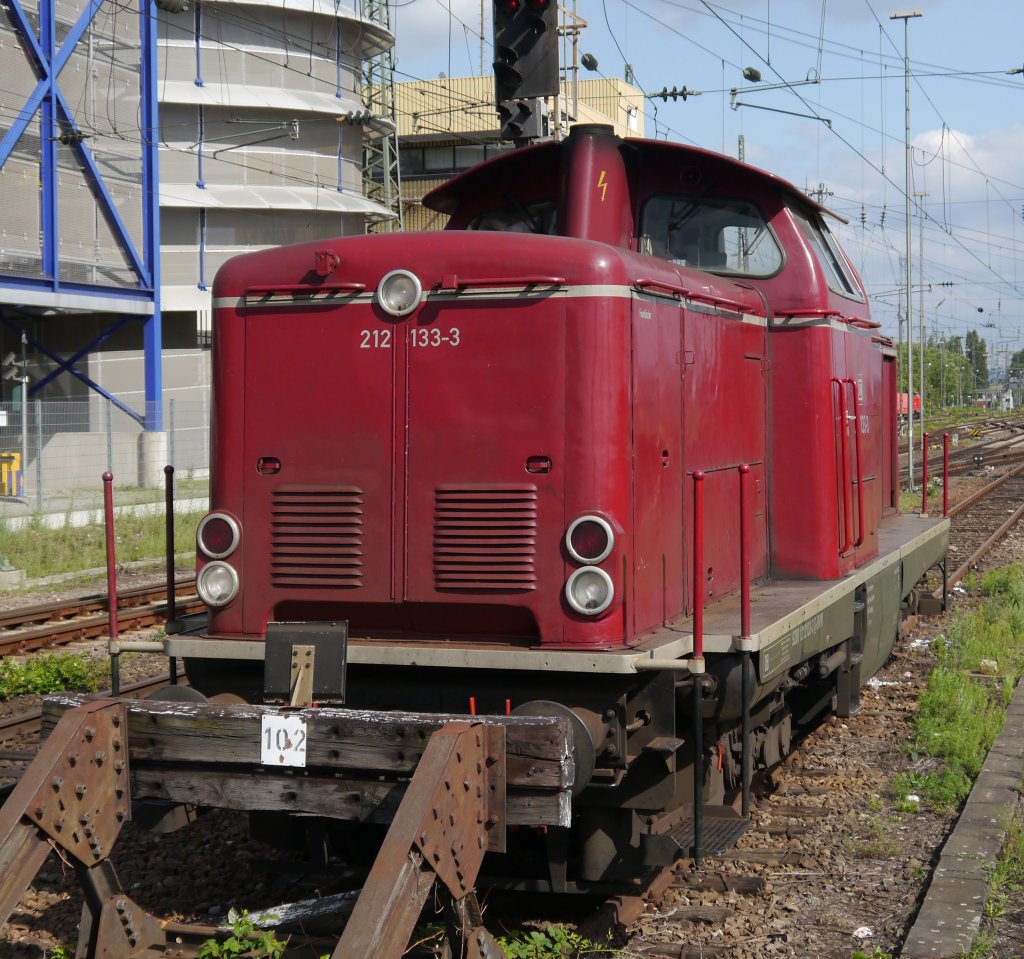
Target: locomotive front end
[(430, 454)]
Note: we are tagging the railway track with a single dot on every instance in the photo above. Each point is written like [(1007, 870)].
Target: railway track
[(779, 851), (996, 444), (19, 733), (49, 624), (982, 519)]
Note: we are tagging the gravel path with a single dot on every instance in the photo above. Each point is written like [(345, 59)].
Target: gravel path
[(853, 878)]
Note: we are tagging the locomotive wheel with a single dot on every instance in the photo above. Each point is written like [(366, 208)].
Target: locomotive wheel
[(176, 694), (229, 699)]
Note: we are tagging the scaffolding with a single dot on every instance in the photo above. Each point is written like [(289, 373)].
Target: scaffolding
[(381, 176), (78, 177)]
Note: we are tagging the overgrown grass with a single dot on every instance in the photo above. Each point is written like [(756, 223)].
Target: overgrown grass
[(41, 551), (1006, 880), (876, 840), (960, 714), (911, 501), (49, 672)]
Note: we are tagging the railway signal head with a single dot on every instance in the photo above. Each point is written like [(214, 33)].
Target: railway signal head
[(526, 49), (521, 120)]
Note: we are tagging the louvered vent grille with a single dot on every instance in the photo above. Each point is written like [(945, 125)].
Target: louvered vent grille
[(485, 537), (317, 537)]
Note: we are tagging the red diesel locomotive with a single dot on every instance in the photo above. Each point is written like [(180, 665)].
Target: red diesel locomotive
[(619, 445)]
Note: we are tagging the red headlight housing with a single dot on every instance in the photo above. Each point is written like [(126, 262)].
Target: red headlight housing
[(218, 535), (589, 539)]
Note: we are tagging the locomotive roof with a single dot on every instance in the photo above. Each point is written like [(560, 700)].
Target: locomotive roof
[(541, 157)]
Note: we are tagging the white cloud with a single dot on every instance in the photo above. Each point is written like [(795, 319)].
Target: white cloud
[(428, 41)]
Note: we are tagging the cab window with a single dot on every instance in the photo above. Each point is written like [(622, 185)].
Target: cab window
[(838, 273), (709, 233), (516, 217)]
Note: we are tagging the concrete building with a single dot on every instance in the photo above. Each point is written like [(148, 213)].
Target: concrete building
[(449, 124)]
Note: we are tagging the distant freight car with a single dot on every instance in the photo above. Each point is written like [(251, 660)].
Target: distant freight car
[(534, 463), (903, 406)]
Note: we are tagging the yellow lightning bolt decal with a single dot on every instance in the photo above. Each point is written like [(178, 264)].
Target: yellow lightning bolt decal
[(602, 185)]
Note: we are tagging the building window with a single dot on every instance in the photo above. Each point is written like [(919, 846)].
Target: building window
[(469, 155), (438, 159)]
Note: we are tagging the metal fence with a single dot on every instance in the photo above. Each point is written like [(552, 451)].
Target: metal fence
[(53, 453)]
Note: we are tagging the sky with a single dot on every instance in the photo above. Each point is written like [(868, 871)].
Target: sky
[(966, 123)]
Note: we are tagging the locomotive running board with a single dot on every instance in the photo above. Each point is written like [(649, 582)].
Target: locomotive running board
[(103, 754)]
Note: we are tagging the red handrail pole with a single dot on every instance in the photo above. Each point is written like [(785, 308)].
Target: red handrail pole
[(697, 666), (108, 517), (860, 476), (744, 553), (924, 474), (845, 467), (698, 565), (945, 474)]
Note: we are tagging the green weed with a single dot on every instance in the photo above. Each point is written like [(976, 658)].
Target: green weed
[(1006, 879), (877, 843), (943, 790), (245, 940), (982, 946), (553, 942), (49, 672)]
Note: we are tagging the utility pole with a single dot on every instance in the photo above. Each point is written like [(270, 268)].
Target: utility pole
[(920, 297), (906, 17)]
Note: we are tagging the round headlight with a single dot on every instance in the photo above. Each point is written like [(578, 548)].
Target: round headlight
[(589, 590), (217, 584), (218, 535), (589, 539), (399, 292)]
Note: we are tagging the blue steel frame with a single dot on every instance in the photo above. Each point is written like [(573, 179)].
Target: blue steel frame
[(57, 116)]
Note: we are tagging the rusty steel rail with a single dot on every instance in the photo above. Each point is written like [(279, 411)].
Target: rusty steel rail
[(47, 624), (30, 721), (960, 573), (984, 491), (996, 450), (962, 507)]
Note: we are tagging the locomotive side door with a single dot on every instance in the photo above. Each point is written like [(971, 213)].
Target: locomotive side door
[(318, 455), (857, 410), (725, 425), (485, 413), (657, 461)]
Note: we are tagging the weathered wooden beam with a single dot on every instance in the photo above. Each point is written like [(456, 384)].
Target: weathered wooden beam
[(539, 747), (349, 799), (716, 882), (209, 754)]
